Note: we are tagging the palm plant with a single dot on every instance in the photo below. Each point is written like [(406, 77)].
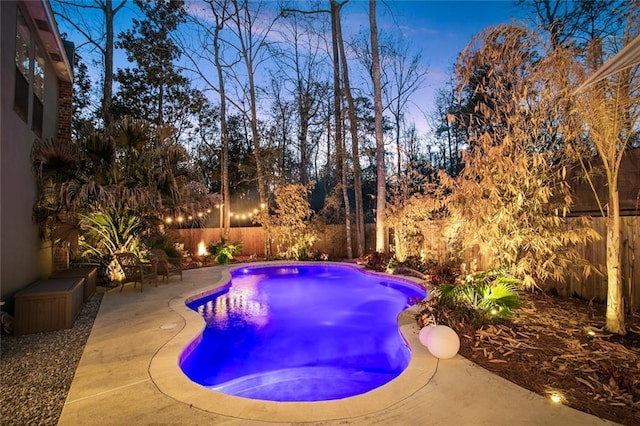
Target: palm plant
[(107, 233), (117, 183), (110, 232), (492, 293)]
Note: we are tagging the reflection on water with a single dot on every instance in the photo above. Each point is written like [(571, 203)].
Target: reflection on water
[(243, 301)]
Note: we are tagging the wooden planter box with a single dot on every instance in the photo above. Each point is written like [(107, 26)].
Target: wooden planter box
[(48, 305), (90, 275)]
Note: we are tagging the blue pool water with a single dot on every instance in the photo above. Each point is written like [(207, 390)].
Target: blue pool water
[(301, 333)]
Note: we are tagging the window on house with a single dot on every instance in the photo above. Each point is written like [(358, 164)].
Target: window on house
[(38, 92), (23, 67)]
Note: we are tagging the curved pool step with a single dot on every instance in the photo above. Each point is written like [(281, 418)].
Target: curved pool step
[(303, 384)]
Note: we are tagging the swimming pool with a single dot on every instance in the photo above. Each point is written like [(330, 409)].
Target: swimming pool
[(308, 332)]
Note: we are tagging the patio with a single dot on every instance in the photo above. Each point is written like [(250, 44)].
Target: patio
[(129, 374)]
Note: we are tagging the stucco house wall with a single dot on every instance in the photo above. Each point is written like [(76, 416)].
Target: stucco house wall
[(23, 257)]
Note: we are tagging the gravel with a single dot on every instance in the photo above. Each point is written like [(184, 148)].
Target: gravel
[(36, 370)]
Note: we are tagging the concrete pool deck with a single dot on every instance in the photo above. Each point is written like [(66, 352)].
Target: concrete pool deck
[(129, 374)]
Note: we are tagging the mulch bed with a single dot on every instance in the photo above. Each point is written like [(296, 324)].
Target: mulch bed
[(557, 345)]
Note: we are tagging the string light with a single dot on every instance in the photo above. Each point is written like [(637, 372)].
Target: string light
[(240, 216)]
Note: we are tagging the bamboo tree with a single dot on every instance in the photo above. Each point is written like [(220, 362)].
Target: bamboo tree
[(611, 113), (512, 194)]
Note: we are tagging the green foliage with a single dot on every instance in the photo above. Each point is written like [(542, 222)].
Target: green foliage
[(412, 262), (164, 242), (154, 89), (135, 168), (492, 293), (291, 225), (107, 233), (224, 251)]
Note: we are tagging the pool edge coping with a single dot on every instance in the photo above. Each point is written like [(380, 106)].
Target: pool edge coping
[(167, 376)]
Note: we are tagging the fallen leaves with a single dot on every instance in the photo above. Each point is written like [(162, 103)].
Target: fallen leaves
[(561, 344)]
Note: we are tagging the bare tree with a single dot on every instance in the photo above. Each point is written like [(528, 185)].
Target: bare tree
[(206, 52), (252, 42), (377, 100), (401, 75), (353, 130), (339, 65), (221, 15), (305, 74), (75, 13), (337, 110)]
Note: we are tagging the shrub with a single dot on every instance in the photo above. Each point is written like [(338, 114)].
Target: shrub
[(223, 251), (376, 261), (107, 233), (492, 293), (165, 242), (291, 224)]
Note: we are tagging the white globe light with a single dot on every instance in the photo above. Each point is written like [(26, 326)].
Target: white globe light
[(442, 342), (424, 332)]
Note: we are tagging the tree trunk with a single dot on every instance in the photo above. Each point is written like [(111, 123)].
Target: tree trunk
[(615, 293), (398, 147), (337, 102), (381, 244), (302, 142), (107, 87), (224, 172), (253, 119), (355, 149)]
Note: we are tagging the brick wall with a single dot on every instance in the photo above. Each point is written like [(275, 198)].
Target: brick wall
[(65, 109)]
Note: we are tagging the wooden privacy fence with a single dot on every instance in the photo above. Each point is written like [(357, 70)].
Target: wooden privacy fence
[(594, 287), (332, 241)]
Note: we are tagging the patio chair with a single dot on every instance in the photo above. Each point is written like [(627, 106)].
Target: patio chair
[(136, 271), (167, 266)]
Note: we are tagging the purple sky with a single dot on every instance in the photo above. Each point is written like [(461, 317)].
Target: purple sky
[(437, 29), (440, 30)]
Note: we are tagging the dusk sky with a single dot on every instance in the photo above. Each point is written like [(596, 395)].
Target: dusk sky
[(438, 30), (441, 30)]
